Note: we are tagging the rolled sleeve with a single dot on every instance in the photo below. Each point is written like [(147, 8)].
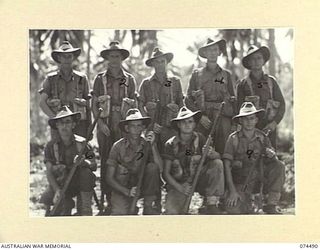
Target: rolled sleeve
[(113, 156)]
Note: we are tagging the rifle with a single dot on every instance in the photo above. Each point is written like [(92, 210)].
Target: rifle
[(132, 210), (260, 165), (202, 160), (54, 211)]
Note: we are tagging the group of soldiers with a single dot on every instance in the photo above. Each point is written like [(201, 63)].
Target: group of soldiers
[(156, 138)]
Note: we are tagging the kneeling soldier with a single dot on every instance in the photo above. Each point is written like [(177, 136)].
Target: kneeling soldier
[(251, 165), (124, 166), (59, 156), (182, 154)]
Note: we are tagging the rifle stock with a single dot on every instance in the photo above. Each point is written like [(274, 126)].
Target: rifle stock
[(54, 211), (202, 160)]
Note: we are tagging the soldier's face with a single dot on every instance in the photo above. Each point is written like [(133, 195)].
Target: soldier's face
[(187, 126), (256, 61), (114, 59), (65, 126), (66, 58), (249, 122), (212, 53), (135, 128), (160, 64)]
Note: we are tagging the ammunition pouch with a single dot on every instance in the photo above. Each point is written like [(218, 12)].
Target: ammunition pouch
[(176, 170), (151, 109), (172, 112), (127, 103), (198, 96), (104, 103), (80, 105), (272, 109), (54, 104), (228, 108), (255, 99)]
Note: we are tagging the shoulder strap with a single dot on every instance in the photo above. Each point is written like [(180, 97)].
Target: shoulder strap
[(56, 153), (270, 85), (104, 82), (249, 82)]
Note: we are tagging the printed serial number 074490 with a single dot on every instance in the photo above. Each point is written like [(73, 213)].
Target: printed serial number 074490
[(308, 245)]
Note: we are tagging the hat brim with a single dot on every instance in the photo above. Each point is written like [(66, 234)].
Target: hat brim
[(197, 116), (53, 121), (259, 111), (221, 43), (55, 54), (124, 53), (168, 56), (263, 50), (146, 121)]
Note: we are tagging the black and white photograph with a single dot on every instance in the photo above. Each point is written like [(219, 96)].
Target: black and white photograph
[(140, 122)]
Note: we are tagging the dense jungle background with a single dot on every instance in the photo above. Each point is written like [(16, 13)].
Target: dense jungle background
[(184, 43)]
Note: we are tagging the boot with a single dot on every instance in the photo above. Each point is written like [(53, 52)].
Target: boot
[(79, 205), (68, 204), (271, 209), (86, 198)]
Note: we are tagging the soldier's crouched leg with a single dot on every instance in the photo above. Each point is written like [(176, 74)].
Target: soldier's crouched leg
[(174, 201), (120, 204), (211, 186), (274, 173), (151, 190), (86, 185), (47, 199)]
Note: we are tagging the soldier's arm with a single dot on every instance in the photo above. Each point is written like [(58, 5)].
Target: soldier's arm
[(229, 180), (240, 94), (110, 177), (167, 176), (189, 100), (132, 87), (44, 106), (179, 94), (94, 99), (279, 97), (141, 101)]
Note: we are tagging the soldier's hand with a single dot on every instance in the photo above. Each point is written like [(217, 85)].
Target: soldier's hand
[(185, 188), (80, 101), (133, 192), (205, 122), (157, 128), (270, 153), (212, 154), (233, 199), (56, 196), (271, 126), (78, 160), (103, 128), (150, 137)]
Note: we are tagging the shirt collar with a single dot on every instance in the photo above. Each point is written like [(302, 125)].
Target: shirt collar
[(68, 78), (59, 140), (154, 77), (217, 70), (263, 78), (127, 142), (121, 73), (255, 135), (178, 138)]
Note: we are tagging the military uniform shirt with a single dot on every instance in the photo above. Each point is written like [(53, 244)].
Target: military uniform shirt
[(76, 86), (115, 86), (260, 88)]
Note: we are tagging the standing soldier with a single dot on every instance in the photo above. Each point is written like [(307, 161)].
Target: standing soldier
[(124, 166), (66, 87), (208, 88), (114, 92), (262, 89), (59, 156), (160, 96), (181, 157)]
